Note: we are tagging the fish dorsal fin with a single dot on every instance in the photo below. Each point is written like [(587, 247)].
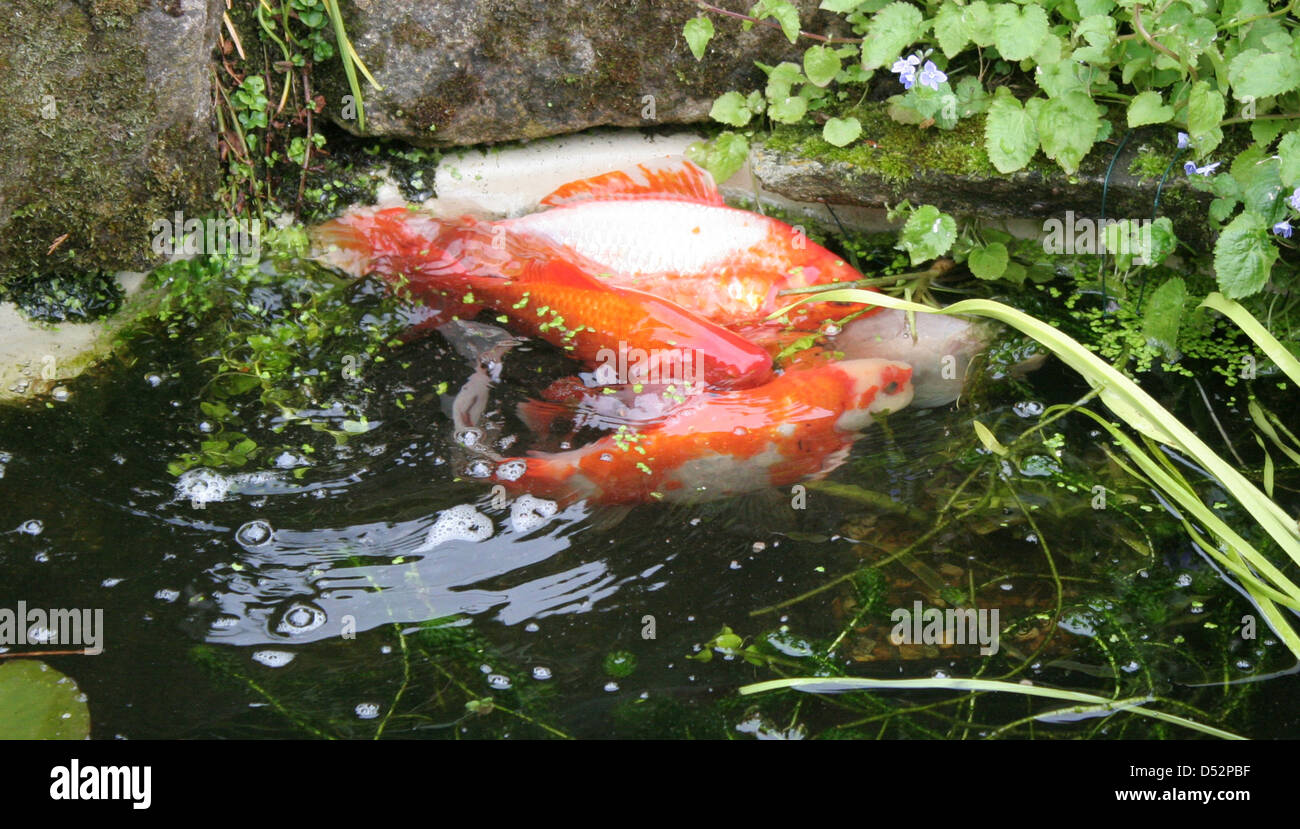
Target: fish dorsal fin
[(672, 179)]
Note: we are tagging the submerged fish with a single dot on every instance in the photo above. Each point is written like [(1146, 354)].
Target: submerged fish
[(798, 426)]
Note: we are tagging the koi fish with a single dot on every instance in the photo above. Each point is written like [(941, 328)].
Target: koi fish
[(663, 228), (800, 425), (466, 266)]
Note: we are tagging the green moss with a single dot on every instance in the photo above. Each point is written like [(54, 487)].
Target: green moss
[(89, 162), (897, 152)]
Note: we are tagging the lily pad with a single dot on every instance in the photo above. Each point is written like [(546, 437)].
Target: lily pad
[(39, 703)]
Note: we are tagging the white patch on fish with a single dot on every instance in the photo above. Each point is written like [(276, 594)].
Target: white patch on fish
[(649, 236)]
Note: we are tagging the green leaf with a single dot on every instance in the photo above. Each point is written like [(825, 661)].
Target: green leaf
[(892, 29), (1088, 8), (1148, 108), (840, 132), (1098, 31), (1010, 135), (1163, 241), (988, 262), (1163, 315), (730, 109), (698, 31), (1258, 75), (1056, 79), (39, 703), (788, 110), (928, 234), (990, 441), (782, 78), (978, 23), (1067, 128), (1221, 209), (1244, 256), (950, 29), (784, 12), (840, 6), (1259, 181), (1288, 150), (1018, 32), (971, 97), (722, 156), (821, 64), (1205, 108)]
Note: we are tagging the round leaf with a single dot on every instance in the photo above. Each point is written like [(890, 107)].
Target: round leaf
[(39, 703), (821, 65), (988, 262), (730, 109), (840, 132)]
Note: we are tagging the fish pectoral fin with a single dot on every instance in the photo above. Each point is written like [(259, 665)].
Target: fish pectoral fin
[(832, 462), (676, 179)]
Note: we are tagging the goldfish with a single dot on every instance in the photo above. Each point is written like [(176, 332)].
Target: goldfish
[(649, 259), (466, 266), (801, 424), (663, 228)]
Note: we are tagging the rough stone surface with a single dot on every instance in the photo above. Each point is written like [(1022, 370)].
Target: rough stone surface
[(1025, 194), (463, 72), (105, 126)]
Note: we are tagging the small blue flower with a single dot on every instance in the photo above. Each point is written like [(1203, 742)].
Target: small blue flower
[(1192, 170), (1183, 141), (1282, 229), (931, 76), (1294, 199), (905, 68)]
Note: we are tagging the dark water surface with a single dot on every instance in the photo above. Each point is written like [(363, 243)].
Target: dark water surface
[(583, 626)]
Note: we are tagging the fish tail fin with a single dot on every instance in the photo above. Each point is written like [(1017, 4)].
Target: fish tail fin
[(540, 416), (407, 248), (385, 240)]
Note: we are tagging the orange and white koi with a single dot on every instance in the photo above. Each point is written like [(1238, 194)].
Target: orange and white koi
[(800, 425)]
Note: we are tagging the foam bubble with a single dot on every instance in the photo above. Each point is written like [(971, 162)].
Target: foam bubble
[(528, 513), (202, 486), (460, 523), (300, 618), (255, 533), (512, 470), (469, 437), (273, 659), (367, 710)]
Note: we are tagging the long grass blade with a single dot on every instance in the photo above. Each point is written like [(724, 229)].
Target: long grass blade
[(836, 685)]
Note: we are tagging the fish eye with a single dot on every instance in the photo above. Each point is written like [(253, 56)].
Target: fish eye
[(891, 388)]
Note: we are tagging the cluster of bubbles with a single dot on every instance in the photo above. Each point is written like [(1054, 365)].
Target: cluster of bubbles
[(273, 659), (528, 513), (202, 486), (460, 523), (465, 523)]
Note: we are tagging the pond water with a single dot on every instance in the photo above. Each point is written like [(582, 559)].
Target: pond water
[(300, 594)]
